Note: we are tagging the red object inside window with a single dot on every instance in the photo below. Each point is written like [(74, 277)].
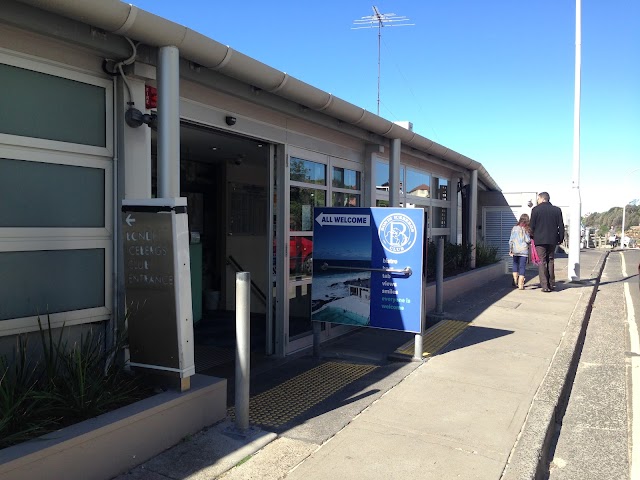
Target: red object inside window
[(150, 97)]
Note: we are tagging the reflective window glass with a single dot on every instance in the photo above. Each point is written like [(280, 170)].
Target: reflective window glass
[(300, 256), (39, 105), (441, 188), (440, 217), (299, 310), (307, 171), (418, 183), (42, 282), (345, 200), (345, 178), (382, 177), (302, 201), (50, 195)]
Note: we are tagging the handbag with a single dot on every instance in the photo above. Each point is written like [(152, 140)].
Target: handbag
[(535, 259)]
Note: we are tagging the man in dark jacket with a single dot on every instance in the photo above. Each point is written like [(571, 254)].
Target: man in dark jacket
[(547, 231)]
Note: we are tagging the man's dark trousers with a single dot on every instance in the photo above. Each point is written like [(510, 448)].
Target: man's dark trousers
[(546, 271)]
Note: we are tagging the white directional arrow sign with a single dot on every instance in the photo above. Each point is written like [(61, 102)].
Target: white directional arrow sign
[(343, 220), (130, 220)]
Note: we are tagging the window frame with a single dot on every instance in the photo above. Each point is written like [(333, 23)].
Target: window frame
[(16, 326), (27, 62), (304, 340), (426, 202), (59, 158), (24, 239), (335, 162), (310, 157)]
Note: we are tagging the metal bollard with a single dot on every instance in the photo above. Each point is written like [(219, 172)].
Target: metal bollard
[(417, 348), (243, 348)]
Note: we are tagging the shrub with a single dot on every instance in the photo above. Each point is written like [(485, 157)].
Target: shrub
[(457, 258), (63, 385), (22, 414), (486, 255)]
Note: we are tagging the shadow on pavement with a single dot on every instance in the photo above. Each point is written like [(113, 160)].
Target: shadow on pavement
[(473, 336)]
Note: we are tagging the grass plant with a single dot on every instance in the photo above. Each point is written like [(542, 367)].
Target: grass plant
[(61, 383), (457, 258)]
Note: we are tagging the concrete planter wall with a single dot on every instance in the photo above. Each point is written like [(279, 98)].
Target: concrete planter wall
[(460, 284), (105, 446)]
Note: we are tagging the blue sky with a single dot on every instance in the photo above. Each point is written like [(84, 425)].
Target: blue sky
[(493, 80)]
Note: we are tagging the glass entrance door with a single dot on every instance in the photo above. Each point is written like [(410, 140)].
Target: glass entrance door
[(307, 189), (314, 180)]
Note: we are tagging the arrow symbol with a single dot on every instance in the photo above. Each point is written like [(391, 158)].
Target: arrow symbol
[(343, 220), (130, 220)]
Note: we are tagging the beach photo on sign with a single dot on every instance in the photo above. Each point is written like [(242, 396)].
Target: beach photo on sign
[(341, 276)]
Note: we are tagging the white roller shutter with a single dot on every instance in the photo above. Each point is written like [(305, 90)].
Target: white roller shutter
[(497, 223)]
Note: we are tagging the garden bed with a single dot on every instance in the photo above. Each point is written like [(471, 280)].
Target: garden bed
[(105, 446), (464, 282)]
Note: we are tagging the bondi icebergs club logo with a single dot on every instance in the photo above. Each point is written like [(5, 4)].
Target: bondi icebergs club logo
[(397, 233)]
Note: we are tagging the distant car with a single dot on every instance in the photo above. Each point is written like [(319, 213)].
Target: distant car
[(300, 255)]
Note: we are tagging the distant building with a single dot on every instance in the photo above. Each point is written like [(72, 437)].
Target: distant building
[(405, 124)]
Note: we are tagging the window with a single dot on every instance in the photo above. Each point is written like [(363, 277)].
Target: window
[(308, 172), (345, 178), (441, 188), (50, 195), (382, 177), (418, 183), (45, 282), (56, 167), (345, 181), (301, 203), (440, 217), (39, 105), (315, 180), (345, 200)]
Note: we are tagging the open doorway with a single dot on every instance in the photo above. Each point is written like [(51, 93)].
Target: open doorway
[(226, 180)]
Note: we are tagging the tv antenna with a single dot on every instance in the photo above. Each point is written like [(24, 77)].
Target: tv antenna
[(379, 20)]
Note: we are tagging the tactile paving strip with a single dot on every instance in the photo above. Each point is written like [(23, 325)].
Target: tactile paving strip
[(436, 338), (290, 399)]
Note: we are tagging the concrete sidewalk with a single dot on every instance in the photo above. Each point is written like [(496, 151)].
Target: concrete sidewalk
[(483, 407)]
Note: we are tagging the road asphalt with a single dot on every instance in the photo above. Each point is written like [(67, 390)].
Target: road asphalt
[(488, 405)]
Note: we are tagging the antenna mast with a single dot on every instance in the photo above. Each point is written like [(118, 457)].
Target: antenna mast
[(379, 20)]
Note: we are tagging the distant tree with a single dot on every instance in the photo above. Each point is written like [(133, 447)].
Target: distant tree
[(602, 222)]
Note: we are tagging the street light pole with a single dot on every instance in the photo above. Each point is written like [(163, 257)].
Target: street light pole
[(575, 220)]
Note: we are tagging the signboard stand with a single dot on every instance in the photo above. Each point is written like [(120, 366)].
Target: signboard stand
[(317, 330), (418, 346), (158, 288), (378, 280)]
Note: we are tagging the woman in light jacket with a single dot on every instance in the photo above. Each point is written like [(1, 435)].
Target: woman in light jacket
[(519, 249)]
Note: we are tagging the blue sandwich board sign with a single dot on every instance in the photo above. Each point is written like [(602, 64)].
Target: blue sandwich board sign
[(367, 267)]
